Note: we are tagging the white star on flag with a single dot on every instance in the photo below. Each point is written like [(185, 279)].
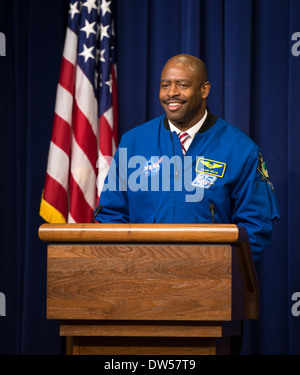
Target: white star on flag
[(87, 53), (104, 31), (73, 9), (90, 4), (109, 84), (105, 7), (102, 52), (88, 28)]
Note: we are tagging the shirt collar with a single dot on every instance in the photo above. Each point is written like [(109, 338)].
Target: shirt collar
[(191, 131)]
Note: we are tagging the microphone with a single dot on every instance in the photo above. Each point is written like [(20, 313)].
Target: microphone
[(98, 210), (212, 211)]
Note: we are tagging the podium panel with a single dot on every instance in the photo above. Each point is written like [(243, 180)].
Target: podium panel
[(149, 289)]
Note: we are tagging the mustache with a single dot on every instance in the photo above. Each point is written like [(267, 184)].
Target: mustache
[(167, 101)]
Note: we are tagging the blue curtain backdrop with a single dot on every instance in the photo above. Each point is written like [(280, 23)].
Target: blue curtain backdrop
[(255, 86)]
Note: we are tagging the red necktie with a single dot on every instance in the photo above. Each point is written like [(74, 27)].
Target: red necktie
[(183, 137)]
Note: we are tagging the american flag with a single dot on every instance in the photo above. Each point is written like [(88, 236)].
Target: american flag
[(84, 134)]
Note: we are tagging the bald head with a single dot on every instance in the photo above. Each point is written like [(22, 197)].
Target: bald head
[(190, 62)]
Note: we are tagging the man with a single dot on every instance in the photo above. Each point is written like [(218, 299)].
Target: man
[(177, 167)]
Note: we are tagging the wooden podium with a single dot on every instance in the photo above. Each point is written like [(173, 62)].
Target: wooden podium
[(149, 288)]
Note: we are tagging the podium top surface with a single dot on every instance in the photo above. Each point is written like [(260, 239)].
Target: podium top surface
[(172, 233)]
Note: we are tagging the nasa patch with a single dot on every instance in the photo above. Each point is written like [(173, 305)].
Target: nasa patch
[(152, 166)]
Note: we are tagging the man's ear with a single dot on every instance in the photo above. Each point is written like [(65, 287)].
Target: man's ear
[(205, 89)]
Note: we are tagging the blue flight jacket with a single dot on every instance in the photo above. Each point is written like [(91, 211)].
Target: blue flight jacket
[(150, 181)]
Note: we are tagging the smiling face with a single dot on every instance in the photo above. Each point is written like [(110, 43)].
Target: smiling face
[(183, 90)]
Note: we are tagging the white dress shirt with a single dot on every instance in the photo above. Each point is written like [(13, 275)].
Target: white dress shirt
[(191, 131)]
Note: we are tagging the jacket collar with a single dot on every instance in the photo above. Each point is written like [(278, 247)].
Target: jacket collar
[(208, 123)]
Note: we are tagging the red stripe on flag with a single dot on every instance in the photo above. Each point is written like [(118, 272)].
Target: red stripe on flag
[(56, 195), (105, 137), (80, 210), (67, 76), (84, 135), (61, 134)]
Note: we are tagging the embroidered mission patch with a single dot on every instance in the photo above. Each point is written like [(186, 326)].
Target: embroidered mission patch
[(204, 181), (262, 169), (211, 167)]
